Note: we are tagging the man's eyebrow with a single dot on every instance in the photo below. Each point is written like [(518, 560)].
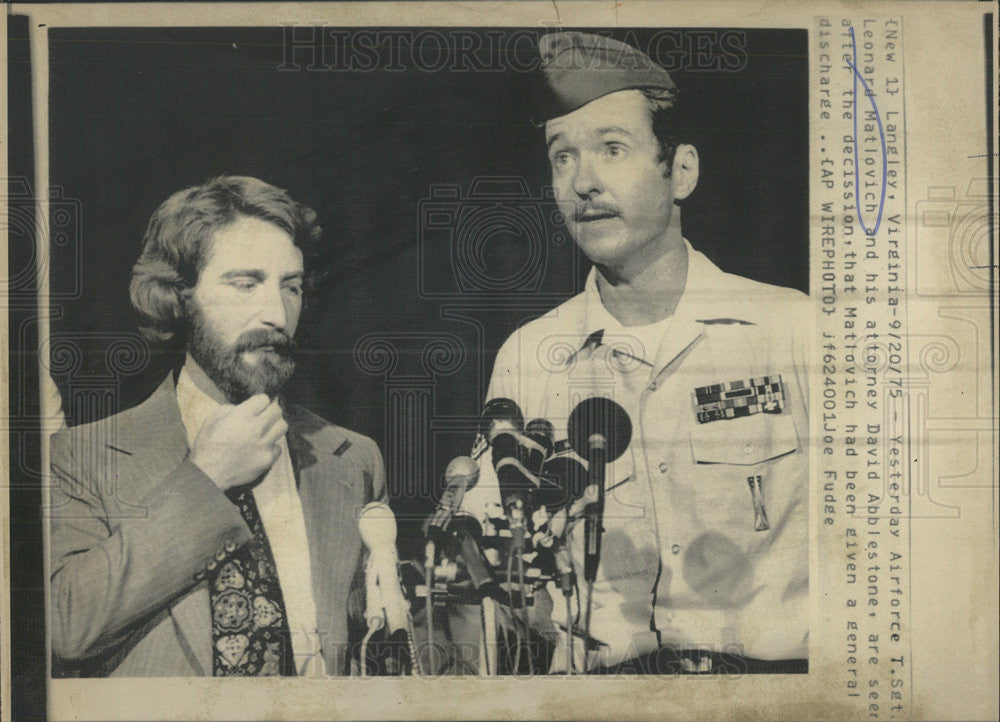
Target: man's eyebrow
[(293, 276), (254, 273), (615, 129), (553, 139)]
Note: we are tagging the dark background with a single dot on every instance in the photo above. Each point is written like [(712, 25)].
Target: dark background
[(136, 114)]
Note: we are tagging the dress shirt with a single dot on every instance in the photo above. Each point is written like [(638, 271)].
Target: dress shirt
[(280, 510)]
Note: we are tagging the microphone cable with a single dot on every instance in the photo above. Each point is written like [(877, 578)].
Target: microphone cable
[(586, 626), (569, 635), (429, 559), (510, 610), (524, 613)]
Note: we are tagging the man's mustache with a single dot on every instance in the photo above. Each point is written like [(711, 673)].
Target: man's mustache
[(594, 209), (252, 340)]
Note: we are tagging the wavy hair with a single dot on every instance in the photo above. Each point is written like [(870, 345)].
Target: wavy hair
[(178, 240)]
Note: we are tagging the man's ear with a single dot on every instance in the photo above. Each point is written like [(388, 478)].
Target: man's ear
[(685, 174)]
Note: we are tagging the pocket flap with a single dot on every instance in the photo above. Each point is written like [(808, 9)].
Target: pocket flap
[(746, 441)]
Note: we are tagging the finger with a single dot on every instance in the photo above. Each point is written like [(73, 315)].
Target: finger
[(221, 412), (268, 418), (274, 434), (256, 404)]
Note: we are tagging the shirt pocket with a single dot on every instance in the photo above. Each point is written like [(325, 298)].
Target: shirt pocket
[(744, 442)]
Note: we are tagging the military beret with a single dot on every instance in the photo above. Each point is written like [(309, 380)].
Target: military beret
[(577, 68)]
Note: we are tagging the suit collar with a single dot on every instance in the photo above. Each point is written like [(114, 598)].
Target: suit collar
[(152, 429), (156, 426), (333, 489)]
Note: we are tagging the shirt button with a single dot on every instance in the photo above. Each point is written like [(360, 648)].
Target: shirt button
[(748, 447), (676, 548), (652, 386), (199, 575), (220, 555), (230, 546), (664, 468), (211, 566)]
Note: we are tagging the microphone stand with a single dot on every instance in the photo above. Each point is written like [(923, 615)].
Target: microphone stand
[(600, 430), (566, 582), (593, 527)]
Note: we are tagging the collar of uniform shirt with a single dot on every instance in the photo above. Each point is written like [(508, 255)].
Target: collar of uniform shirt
[(700, 290)]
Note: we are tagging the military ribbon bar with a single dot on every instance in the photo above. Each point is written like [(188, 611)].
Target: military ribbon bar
[(735, 399)]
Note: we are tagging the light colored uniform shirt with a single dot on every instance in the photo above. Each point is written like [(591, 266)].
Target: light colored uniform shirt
[(280, 510), (685, 559)]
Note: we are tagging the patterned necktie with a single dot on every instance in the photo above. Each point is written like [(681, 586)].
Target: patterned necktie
[(250, 634)]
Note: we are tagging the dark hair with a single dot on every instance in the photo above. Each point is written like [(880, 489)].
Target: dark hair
[(663, 111), (178, 238)]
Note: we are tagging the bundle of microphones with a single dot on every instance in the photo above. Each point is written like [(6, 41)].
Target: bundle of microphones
[(545, 489)]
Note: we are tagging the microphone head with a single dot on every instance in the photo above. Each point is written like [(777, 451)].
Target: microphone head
[(563, 480), (462, 471), (377, 526), (599, 422), (500, 415), (541, 432), (463, 521)]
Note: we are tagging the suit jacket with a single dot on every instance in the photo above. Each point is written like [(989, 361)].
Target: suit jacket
[(134, 524)]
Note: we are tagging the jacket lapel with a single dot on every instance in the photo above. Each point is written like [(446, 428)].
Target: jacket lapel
[(331, 490), (153, 438)]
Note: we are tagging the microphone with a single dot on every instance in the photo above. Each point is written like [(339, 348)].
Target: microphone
[(386, 603), (502, 424), (537, 442), (563, 479), (461, 475), (499, 416), (516, 487), (468, 532), (600, 431)]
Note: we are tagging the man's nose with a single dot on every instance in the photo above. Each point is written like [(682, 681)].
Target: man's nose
[(586, 180), (272, 310)]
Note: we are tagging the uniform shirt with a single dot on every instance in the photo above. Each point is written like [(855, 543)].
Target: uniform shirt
[(280, 510), (686, 560)]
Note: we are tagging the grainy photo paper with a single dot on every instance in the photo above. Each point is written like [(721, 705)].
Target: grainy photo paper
[(583, 360)]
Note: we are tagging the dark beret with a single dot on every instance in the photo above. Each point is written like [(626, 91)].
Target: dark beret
[(577, 68)]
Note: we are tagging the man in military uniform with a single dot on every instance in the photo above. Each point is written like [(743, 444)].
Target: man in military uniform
[(704, 566)]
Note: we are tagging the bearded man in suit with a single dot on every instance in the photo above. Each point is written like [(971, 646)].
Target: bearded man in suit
[(212, 530)]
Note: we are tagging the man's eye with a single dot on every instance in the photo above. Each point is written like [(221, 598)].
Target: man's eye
[(561, 159), (294, 289), (614, 150), (244, 284)]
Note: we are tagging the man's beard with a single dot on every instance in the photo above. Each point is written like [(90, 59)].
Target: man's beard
[(226, 367)]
